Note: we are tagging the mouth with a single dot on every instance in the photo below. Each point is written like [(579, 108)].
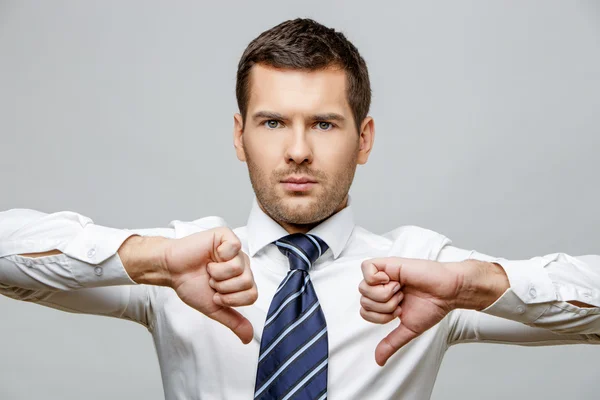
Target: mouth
[(298, 183)]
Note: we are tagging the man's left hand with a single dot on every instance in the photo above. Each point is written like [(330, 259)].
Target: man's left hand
[(421, 293)]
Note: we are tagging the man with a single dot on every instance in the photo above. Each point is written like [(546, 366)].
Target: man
[(300, 285)]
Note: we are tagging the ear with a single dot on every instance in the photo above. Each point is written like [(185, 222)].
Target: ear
[(238, 137), (367, 137)]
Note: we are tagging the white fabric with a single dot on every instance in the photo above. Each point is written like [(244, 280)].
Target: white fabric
[(201, 359)]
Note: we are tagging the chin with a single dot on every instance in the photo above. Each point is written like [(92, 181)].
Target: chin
[(301, 210), (299, 200)]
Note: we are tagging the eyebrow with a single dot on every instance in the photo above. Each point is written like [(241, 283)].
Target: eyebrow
[(268, 115), (315, 117), (328, 117)]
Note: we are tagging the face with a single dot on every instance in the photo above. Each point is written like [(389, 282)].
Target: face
[(300, 142)]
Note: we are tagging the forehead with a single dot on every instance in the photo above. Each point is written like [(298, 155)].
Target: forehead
[(298, 91)]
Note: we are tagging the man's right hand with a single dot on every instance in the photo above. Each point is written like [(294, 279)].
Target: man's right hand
[(207, 270)]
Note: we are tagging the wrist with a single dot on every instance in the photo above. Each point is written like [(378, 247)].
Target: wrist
[(144, 260), (480, 284)]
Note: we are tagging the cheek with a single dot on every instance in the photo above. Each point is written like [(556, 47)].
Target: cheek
[(338, 155), (264, 153)]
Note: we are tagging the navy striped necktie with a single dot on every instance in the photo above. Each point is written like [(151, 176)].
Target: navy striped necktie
[(294, 351)]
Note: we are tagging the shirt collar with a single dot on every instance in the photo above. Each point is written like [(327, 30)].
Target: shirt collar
[(335, 230)]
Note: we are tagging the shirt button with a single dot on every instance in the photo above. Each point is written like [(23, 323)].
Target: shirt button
[(28, 263), (521, 310), (98, 271), (533, 293), (91, 252)]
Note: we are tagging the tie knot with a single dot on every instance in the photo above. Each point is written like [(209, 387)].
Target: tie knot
[(301, 249)]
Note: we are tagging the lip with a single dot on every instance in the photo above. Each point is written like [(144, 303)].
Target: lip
[(298, 179), (298, 183)]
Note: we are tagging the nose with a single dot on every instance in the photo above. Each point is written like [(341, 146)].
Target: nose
[(299, 150)]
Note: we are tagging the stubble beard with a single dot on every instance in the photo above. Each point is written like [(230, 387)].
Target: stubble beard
[(327, 201)]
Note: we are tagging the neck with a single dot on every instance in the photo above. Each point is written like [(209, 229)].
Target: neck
[(304, 228)]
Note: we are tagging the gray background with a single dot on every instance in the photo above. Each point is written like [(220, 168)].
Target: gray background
[(488, 130)]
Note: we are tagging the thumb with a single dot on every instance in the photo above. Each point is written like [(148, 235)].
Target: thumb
[(387, 265), (227, 245), (236, 322), (392, 343), (392, 269)]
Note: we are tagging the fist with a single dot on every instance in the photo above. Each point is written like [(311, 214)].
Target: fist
[(210, 273), (418, 292)]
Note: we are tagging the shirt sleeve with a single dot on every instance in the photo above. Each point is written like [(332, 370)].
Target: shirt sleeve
[(90, 248), (539, 295), (88, 277)]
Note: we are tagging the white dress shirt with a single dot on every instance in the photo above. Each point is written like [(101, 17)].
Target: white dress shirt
[(201, 359)]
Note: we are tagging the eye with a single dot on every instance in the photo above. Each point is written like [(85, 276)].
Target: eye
[(272, 124), (324, 126)]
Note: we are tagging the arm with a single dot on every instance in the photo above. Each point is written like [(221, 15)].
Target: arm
[(74, 282), (59, 256), (431, 289), (556, 292), (551, 300)]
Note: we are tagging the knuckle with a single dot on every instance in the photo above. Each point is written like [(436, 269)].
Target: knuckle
[(386, 318), (235, 267), (390, 307), (365, 314), (364, 265), (250, 283), (230, 234), (247, 298), (250, 277), (371, 316), (235, 241), (386, 294), (383, 298), (235, 262), (245, 265), (253, 294), (245, 283), (245, 260), (386, 298), (226, 300), (362, 287), (216, 285), (364, 302), (225, 230)]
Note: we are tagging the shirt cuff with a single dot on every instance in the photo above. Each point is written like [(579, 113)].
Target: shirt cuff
[(96, 244), (110, 272), (530, 294), (529, 280), (510, 306)]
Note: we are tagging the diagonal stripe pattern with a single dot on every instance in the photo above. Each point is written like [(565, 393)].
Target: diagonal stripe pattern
[(294, 351)]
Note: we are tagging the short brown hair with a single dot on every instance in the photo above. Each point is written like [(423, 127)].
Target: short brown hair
[(307, 45)]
